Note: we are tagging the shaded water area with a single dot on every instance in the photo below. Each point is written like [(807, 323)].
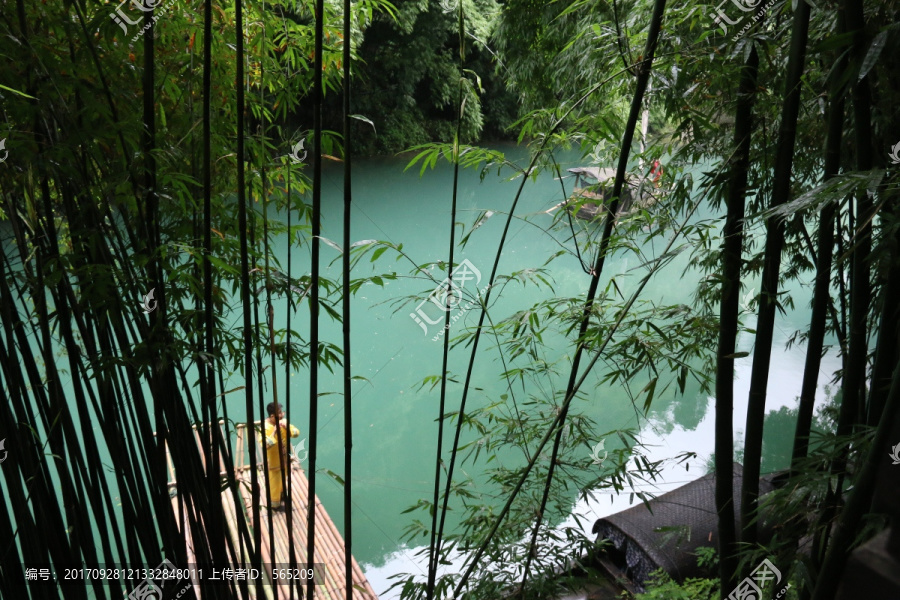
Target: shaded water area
[(395, 419)]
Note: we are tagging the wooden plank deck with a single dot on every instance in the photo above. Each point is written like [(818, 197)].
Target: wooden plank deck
[(329, 547)]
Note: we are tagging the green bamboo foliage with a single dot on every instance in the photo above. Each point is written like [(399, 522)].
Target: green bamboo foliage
[(860, 497), (89, 234), (888, 345), (483, 316), (642, 70), (115, 184), (475, 157)]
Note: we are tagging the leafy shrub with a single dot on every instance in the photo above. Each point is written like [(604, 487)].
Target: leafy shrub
[(663, 587)]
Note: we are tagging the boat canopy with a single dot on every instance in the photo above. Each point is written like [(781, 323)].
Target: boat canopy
[(598, 173), (665, 532)]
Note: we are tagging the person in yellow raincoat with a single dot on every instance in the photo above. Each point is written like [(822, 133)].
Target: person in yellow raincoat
[(277, 448)]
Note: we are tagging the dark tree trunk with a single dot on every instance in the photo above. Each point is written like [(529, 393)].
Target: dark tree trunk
[(318, 95), (853, 382), (888, 345), (345, 314), (245, 266), (860, 497), (822, 286), (732, 245), (768, 301), (854, 371)]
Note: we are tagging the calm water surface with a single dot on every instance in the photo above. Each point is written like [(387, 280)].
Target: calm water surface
[(394, 421)]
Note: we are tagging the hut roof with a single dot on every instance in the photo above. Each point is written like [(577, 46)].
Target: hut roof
[(667, 534)]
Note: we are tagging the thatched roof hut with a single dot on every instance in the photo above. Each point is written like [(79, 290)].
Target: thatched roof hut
[(667, 534)]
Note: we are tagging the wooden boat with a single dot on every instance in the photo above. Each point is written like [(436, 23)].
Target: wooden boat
[(593, 188), (281, 540)]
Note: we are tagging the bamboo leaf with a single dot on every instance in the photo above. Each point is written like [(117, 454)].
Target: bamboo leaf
[(873, 54), (378, 252), (331, 243), (364, 120), (334, 476), (650, 388), (9, 89), (237, 389)]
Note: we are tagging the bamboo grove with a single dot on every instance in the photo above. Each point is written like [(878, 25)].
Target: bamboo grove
[(157, 154)]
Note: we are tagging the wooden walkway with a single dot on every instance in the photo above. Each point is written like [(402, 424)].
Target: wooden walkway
[(329, 548)]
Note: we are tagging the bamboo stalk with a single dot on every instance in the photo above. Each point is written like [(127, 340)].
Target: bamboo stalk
[(824, 258), (434, 546), (245, 270), (318, 97), (768, 302), (728, 321), (345, 314), (860, 498)]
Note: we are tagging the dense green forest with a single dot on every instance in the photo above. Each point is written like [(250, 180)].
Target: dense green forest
[(171, 145)]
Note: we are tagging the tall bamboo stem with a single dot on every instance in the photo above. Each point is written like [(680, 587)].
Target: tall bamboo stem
[(768, 298)]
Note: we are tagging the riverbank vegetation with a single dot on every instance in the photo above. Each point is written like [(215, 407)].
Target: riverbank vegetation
[(150, 146)]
